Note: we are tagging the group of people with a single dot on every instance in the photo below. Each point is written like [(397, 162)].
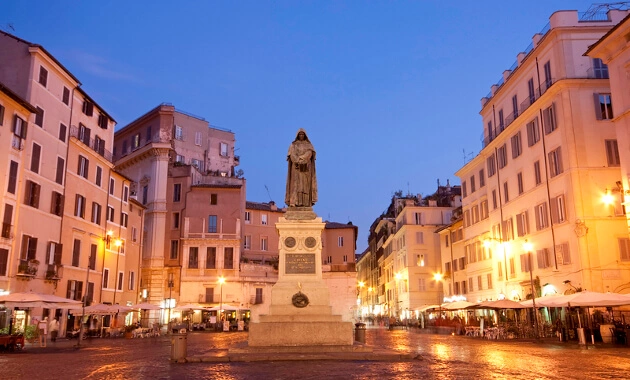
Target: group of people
[(44, 327)]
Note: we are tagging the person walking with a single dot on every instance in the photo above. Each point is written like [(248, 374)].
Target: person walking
[(42, 326), (53, 327)]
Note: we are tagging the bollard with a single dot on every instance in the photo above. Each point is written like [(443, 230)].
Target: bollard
[(179, 348), (359, 332)]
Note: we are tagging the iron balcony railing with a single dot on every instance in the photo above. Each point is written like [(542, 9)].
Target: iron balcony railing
[(97, 145)]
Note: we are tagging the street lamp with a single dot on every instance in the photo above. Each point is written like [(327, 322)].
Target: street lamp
[(528, 247), (438, 279), (171, 284), (221, 282)]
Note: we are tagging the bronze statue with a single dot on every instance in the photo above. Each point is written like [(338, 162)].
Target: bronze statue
[(301, 178)]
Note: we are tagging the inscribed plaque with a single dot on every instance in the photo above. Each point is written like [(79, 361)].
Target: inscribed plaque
[(300, 263)]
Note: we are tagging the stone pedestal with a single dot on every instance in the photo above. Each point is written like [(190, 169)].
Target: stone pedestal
[(300, 313)]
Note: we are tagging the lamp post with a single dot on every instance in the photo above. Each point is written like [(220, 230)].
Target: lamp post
[(170, 298), (438, 279), (221, 282), (360, 298), (528, 247), (87, 278)]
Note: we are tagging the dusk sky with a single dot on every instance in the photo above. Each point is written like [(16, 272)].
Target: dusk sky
[(388, 92)]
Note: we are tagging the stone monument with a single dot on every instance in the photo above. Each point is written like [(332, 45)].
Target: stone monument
[(300, 314)]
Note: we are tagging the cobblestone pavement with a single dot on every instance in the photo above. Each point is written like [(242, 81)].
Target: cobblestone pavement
[(438, 356)]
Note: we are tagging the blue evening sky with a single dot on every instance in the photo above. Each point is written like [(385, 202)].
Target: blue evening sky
[(388, 91)]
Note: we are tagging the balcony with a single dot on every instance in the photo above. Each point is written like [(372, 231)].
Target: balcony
[(28, 268), (97, 145), (52, 272)]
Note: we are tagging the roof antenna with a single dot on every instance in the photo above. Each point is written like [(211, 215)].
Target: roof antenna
[(266, 188)]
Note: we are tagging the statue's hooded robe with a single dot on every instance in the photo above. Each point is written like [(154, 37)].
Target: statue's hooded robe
[(301, 178)]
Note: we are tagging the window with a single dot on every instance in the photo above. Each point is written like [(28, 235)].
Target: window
[(124, 219), (522, 224), (145, 194), (1, 114), (502, 156), (79, 206), (19, 127), (84, 134), (537, 175), (4, 259), (470, 284), (543, 258), (467, 218), (105, 278), (492, 168), (531, 92), (134, 234), (99, 176), (494, 199), (124, 147), (501, 121), (175, 220), (132, 280), (264, 245), (74, 290), (563, 256), (39, 117), (56, 204), (445, 242), (508, 229), (555, 162), (512, 267), (209, 295), (111, 186), (420, 238), (223, 149), (263, 219), (417, 218), (65, 98), (211, 258), (517, 148), (479, 283), (125, 193), (193, 257), (13, 172), (247, 242), (110, 214), (198, 138), (76, 253), (519, 180), (533, 132), (475, 214), (482, 178), (548, 79), (135, 141), (84, 165), (549, 119), (558, 210), (248, 217), (600, 69), (525, 265), (92, 258), (484, 209), (612, 153), (103, 121), (88, 108), (603, 106), (96, 213), (472, 184), (177, 192), (213, 199), (179, 158), (464, 189), (624, 249), (228, 258), (212, 223), (119, 286), (99, 145), (29, 248), (500, 270), (339, 241), (43, 76), (196, 163), (31, 195), (506, 194), (36, 154), (149, 134), (174, 249), (515, 106), (542, 220), (179, 133)]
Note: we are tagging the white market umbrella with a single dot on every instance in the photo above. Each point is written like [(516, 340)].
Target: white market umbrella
[(189, 307), (30, 300), (224, 308), (145, 306), (428, 307), (586, 299), (102, 309), (500, 304), (458, 305)]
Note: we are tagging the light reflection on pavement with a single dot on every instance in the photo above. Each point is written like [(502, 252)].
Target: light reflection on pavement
[(437, 356)]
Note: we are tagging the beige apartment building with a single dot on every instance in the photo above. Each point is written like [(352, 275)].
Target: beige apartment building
[(550, 156), (183, 171), (260, 238), (613, 50), (59, 204), (454, 277)]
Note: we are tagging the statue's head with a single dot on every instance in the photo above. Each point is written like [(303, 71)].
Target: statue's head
[(301, 135)]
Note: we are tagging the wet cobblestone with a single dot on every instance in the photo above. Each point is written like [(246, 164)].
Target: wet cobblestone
[(437, 356)]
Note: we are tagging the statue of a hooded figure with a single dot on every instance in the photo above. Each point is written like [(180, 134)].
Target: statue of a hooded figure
[(301, 178)]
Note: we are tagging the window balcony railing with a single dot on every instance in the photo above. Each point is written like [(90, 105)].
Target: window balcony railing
[(28, 267), (6, 231), (97, 145)]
